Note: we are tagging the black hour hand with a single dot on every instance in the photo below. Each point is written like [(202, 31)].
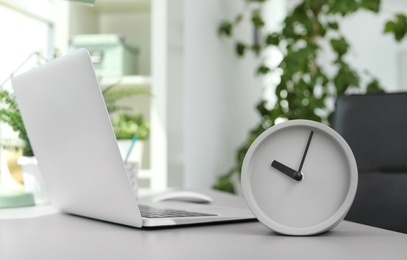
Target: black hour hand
[(287, 170)]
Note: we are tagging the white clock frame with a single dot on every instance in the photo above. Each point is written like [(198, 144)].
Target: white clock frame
[(267, 220)]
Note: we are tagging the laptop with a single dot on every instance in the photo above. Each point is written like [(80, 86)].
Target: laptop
[(69, 128)]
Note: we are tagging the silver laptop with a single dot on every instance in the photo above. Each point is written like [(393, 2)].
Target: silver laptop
[(73, 140)]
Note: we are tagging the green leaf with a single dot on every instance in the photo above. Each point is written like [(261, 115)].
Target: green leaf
[(111, 96), (261, 108), (10, 114), (345, 78), (257, 20), (273, 39), (256, 48), (389, 27), (298, 60), (126, 126), (224, 182), (238, 19), (374, 86), (333, 25), (398, 27), (262, 70), (225, 28), (340, 46), (240, 49), (371, 5), (343, 7)]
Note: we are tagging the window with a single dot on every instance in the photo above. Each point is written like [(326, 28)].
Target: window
[(22, 36), (26, 35)]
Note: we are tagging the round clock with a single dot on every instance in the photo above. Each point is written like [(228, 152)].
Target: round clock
[(299, 178)]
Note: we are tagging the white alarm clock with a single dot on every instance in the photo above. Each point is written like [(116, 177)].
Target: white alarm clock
[(299, 178)]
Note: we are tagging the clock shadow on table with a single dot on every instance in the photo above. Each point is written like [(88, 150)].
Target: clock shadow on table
[(335, 234)]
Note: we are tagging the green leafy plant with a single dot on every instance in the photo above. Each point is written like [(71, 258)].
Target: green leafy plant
[(126, 126), (112, 94), (10, 114), (305, 89)]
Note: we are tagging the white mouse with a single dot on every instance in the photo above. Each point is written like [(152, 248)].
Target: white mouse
[(185, 196)]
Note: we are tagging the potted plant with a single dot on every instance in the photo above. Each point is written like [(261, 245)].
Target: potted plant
[(32, 178), (131, 131), (112, 94), (10, 114), (305, 89)]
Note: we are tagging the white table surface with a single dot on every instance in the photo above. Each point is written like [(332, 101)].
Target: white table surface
[(42, 232)]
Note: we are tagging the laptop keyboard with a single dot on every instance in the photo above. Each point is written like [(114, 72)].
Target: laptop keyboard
[(151, 212)]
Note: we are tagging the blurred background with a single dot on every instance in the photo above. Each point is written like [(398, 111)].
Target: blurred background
[(196, 95)]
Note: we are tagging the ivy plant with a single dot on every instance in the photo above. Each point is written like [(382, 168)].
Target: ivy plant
[(306, 88)]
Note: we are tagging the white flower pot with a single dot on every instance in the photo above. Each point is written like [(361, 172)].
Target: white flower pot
[(134, 161), (136, 154), (33, 180)]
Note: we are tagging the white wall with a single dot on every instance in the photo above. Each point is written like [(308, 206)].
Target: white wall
[(220, 93), (374, 51), (176, 91)]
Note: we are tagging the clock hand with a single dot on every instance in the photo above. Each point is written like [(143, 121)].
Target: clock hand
[(287, 170), (306, 150)]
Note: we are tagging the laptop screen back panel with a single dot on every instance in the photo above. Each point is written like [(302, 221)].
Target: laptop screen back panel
[(71, 134)]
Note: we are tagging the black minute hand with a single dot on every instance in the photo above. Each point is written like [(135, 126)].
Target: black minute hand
[(287, 170), (306, 150)]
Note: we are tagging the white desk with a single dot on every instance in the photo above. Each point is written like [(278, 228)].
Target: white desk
[(60, 236)]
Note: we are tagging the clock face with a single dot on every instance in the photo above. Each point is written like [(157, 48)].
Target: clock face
[(299, 178)]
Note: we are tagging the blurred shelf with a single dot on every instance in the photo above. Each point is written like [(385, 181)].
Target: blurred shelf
[(136, 80), (144, 174), (110, 6), (140, 22)]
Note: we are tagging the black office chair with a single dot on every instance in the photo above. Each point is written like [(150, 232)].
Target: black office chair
[(375, 127)]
